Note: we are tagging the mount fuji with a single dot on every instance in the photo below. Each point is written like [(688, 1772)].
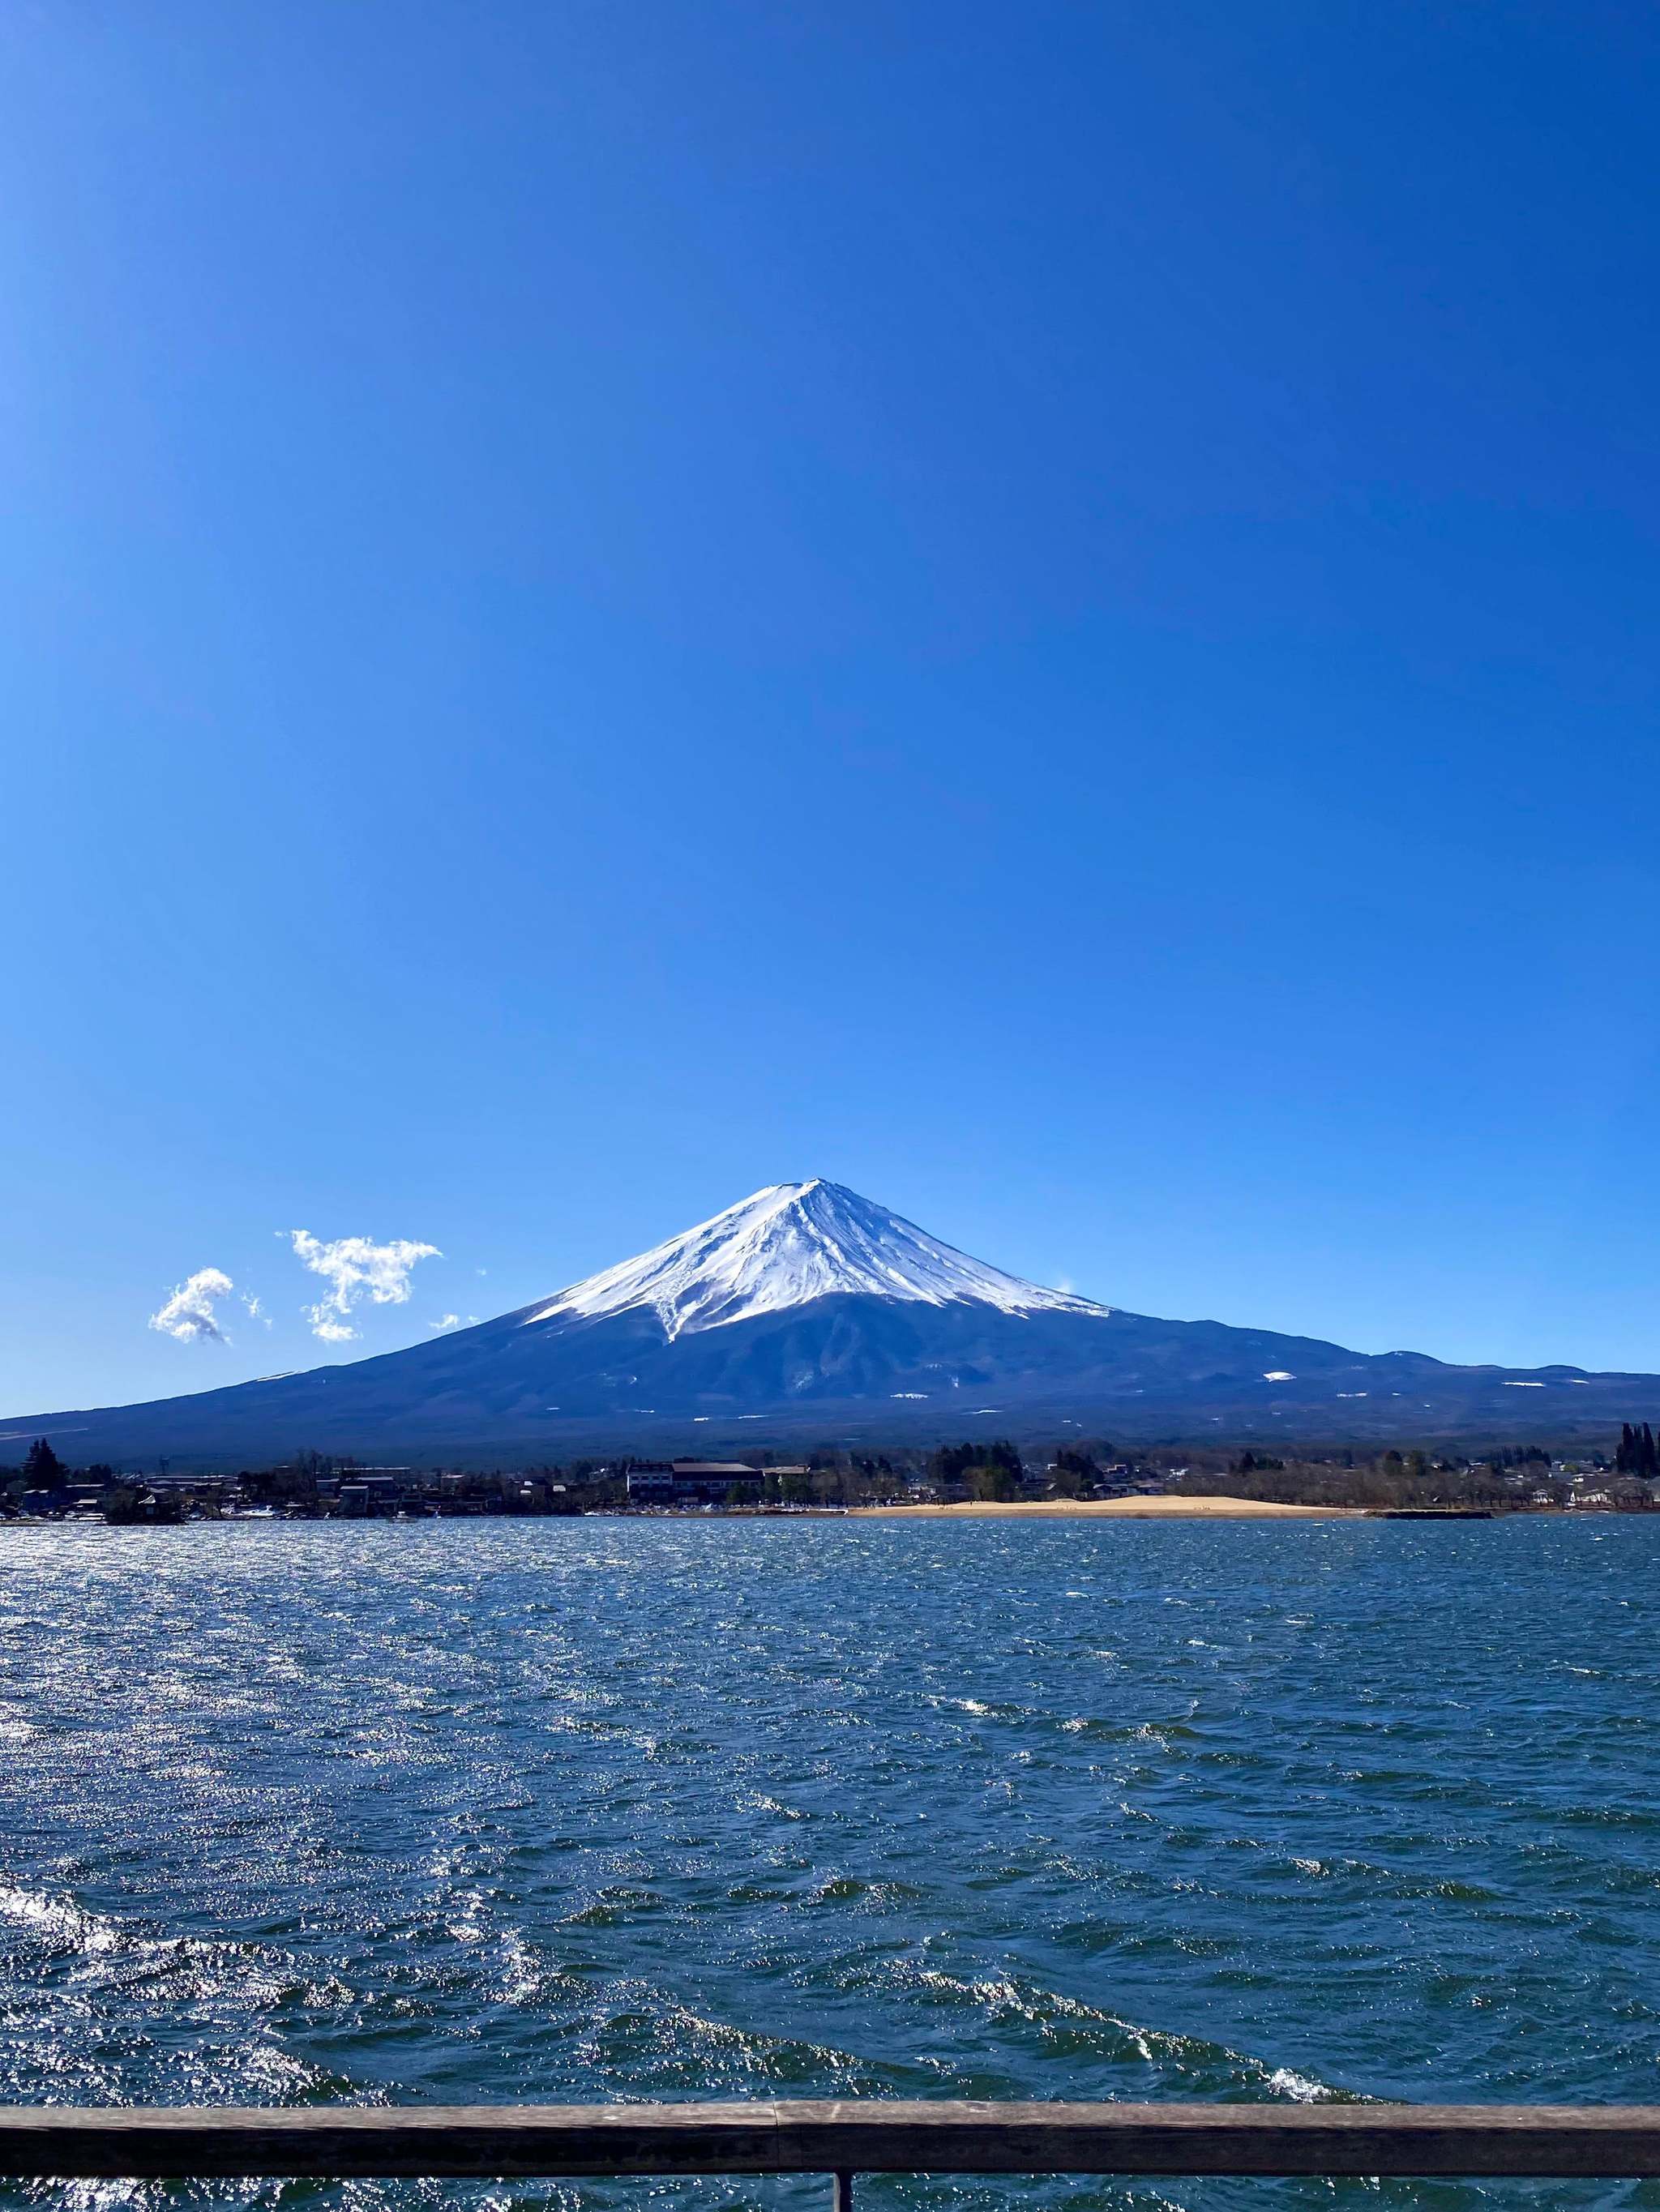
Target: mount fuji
[(808, 1312)]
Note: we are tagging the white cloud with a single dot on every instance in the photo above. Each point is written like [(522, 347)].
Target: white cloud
[(445, 1321), (1278, 1375), (188, 1314), (356, 1268)]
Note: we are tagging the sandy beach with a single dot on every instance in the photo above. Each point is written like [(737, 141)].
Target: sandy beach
[(1120, 1508)]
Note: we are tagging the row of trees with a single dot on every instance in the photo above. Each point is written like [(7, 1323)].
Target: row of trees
[(1396, 1478), (986, 1469), (42, 1469), (1636, 1453)]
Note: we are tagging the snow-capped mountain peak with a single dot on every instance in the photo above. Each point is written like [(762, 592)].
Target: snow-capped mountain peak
[(787, 1245)]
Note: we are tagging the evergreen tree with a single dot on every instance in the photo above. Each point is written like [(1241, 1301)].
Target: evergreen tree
[(42, 1468), (951, 1462), (991, 1483), (1637, 1452)]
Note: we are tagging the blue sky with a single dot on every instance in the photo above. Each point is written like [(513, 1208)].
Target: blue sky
[(1046, 611)]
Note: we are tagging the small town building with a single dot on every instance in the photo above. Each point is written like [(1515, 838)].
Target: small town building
[(693, 1482)]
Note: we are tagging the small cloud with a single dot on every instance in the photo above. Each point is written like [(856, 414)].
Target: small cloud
[(188, 1314), (356, 1268), (1278, 1375), (256, 1308)]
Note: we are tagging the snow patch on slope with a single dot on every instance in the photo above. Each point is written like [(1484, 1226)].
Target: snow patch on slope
[(791, 1243)]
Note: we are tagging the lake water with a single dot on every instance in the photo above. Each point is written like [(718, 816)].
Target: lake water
[(569, 1810)]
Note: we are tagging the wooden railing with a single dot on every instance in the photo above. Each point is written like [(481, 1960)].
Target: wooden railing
[(498, 2141)]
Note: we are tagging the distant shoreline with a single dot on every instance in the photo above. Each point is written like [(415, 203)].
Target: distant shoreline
[(1115, 1508)]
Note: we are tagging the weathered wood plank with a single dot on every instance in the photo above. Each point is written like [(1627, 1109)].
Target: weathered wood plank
[(1608, 2141), (440, 2141), (878, 2136)]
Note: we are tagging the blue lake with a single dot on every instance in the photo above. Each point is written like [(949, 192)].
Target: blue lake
[(569, 1810)]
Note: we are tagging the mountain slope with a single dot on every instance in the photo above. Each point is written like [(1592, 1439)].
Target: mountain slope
[(807, 1312)]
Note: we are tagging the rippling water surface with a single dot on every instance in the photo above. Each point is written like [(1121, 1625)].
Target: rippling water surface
[(568, 1810)]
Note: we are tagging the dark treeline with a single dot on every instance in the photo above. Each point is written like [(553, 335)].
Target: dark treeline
[(312, 1485), (1516, 1478), (987, 1471), (1635, 1453), (317, 1484)]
